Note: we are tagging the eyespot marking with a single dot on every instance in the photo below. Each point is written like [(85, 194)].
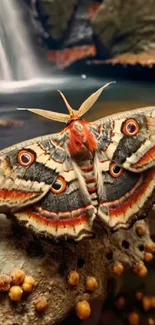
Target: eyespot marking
[(26, 158), (115, 170), (130, 127), (59, 186)]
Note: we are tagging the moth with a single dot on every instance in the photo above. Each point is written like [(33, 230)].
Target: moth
[(59, 184)]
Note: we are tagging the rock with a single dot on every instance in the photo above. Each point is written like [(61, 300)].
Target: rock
[(125, 26), (71, 40), (143, 59), (50, 264), (55, 16)]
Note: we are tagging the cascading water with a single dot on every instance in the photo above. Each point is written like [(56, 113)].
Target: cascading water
[(23, 69), (5, 71), (16, 45), (21, 65)]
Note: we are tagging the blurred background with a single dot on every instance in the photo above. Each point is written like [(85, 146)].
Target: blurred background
[(75, 46)]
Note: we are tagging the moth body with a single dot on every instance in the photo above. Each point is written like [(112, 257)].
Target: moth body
[(82, 143)]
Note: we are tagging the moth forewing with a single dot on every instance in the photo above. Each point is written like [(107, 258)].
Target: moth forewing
[(132, 138)]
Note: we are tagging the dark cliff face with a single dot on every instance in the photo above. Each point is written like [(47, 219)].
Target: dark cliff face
[(125, 26), (103, 28), (119, 26), (72, 39)]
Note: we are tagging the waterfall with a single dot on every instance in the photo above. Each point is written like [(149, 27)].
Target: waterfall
[(22, 66), (16, 48), (23, 69)]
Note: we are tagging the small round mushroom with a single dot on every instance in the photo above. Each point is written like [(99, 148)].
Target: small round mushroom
[(118, 269), (141, 230), (73, 278), (146, 302), (27, 287), (30, 280), (40, 304), (150, 248), (148, 257), (91, 283), (28, 284), (17, 276), (141, 270), (5, 281), (151, 321), (153, 302), (120, 302), (83, 309), (15, 293), (139, 295), (134, 318)]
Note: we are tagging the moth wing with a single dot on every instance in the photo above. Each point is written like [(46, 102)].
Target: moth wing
[(125, 196), (126, 153), (128, 138), (21, 185), (31, 193)]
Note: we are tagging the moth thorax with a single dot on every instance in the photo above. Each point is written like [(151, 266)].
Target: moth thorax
[(82, 143)]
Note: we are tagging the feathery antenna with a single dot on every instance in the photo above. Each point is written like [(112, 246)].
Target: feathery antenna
[(64, 118), (70, 109)]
